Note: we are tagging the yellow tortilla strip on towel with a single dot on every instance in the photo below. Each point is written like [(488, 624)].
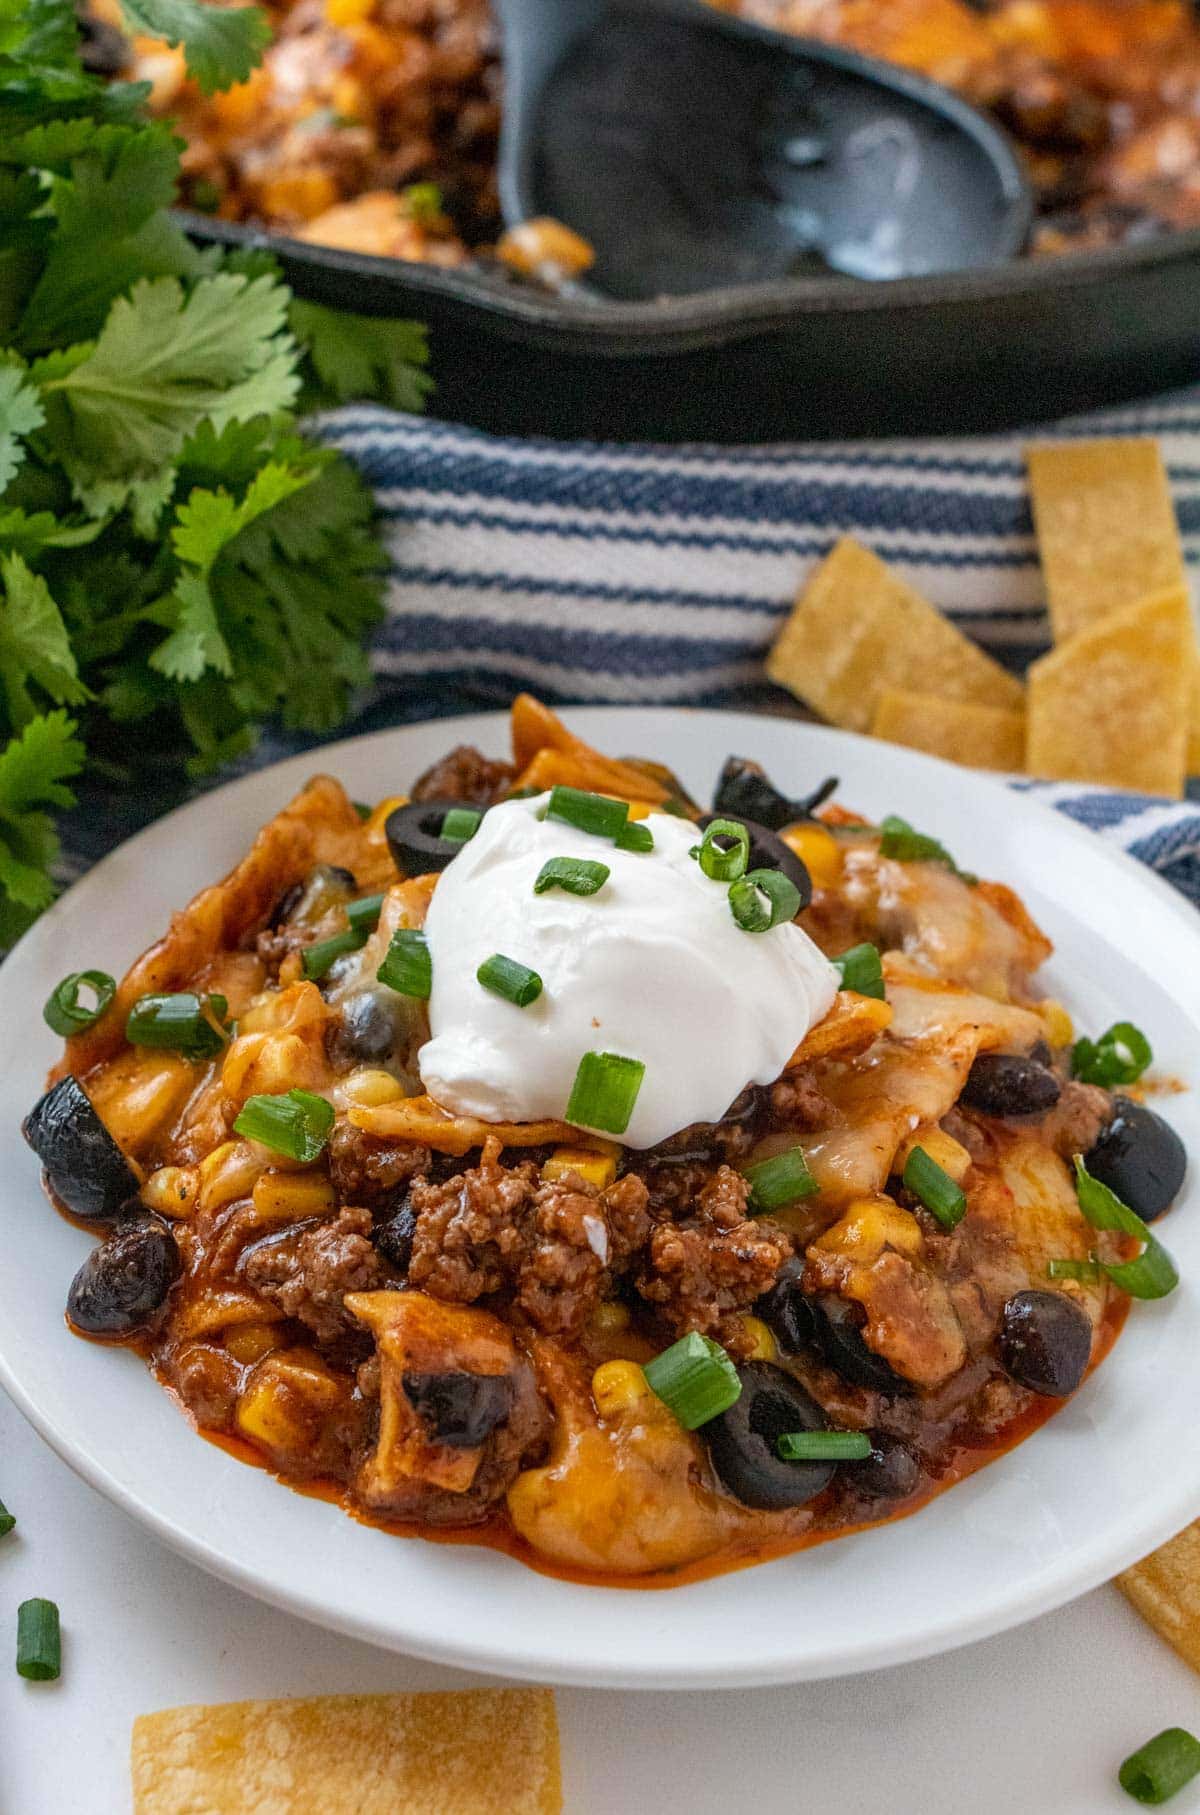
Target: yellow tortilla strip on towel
[(473, 1752), (961, 731), (1111, 705), (1165, 1589), (857, 628)]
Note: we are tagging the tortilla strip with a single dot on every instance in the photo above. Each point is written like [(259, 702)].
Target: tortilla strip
[(960, 731), (852, 1024), (536, 730), (472, 1752), (421, 1119), (1165, 1589), (858, 628)]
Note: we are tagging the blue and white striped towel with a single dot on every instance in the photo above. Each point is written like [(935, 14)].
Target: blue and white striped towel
[(637, 574)]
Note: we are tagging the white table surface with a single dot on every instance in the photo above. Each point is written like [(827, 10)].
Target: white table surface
[(1032, 1723)]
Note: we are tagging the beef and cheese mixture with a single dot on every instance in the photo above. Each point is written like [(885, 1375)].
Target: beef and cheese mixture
[(372, 124), (643, 1190)]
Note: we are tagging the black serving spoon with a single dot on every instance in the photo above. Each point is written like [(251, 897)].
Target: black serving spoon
[(695, 151)]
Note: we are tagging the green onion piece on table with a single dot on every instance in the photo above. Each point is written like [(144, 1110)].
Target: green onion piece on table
[(724, 852), (604, 1092), (183, 1022), (574, 875), (595, 813), (67, 1013), (782, 1179), (943, 1199), (39, 1641), (297, 1123), (861, 970), (763, 899), (1160, 1769), (1153, 1274), (7, 1520), (1119, 1056), (695, 1379), (823, 1446), (407, 967), (516, 983), (317, 959), (461, 824)]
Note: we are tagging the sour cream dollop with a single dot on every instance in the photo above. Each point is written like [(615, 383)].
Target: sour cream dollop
[(653, 967)]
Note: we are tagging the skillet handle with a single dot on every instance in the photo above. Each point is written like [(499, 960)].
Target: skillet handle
[(535, 36)]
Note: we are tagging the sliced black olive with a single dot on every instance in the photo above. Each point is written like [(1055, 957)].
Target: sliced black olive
[(326, 885), (394, 1238), (744, 792), (460, 1409), (414, 835), (678, 799), (1140, 1157), (85, 1168), (787, 1311), (124, 1281), (890, 1472), (767, 852), (1001, 1083), (371, 1024), (1045, 1342), (742, 1441), (841, 1342)]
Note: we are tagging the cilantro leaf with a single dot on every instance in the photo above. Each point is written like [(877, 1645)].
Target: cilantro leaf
[(20, 413), (33, 769), (362, 356), (34, 645), (211, 520), (196, 643), (221, 44)]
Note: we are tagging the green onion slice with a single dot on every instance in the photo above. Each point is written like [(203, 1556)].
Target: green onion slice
[(39, 1641), (780, 1180), (763, 899), (1153, 1274), (936, 1189), (595, 813), (362, 809), (604, 1092), (407, 967), (635, 837), (7, 1520), (900, 840), (363, 914), (823, 1446), (461, 824), (861, 970), (320, 957), (1159, 1769), (184, 1023), (296, 1123), (694, 1378), (66, 1013), (1119, 1056), (721, 860), (505, 977), (575, 875), (1087, 1271)]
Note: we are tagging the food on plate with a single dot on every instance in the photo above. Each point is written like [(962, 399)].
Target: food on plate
[(962, 731), (466, 1752), (1165, 1589), (642, 1190)]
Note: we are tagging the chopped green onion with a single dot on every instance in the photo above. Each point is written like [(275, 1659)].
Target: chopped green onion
[(407, 968), (1119, 1056), (594, 813), (422, 202), (7, 1520), (1153, 1274), (720, 860), (936, 1189), (1087, 1271), (182, 1023), (823, 1446), (861, 970), (635, 837), (66, 1014), (1159, 1769), (604, 1092), (363, 914), (461, 824), (296, 1123), (505, 977), (39, 1642), (362, 809), (763, 899), (320, 957), (780, 1180), (575, 875), (899, 840), (694, 1378)]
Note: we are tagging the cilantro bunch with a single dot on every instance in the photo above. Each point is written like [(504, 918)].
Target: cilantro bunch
[(177, 564)]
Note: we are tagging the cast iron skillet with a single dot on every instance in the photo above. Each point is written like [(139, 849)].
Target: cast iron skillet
[(793, 358)]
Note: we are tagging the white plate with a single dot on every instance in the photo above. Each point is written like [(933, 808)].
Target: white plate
[(1115, 1473)]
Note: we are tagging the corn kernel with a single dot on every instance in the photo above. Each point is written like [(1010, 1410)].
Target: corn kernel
[(867, 1226), (599, 1169), (282, 1395), (543, 244), (292, 1197), (227, 1173), (619, 1386), (348, 12), (1060, 1029), (942, 1149), (610, 1317), (172, 1190), (369, 1087), (819, 852), (764, 1344), (249, 1342)]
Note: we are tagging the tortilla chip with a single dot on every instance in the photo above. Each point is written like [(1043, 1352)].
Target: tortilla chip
[(857, 629), (852, 1024), (1111, 705), (421, 1119), (1165, 1589), (468, 1753), (1106, 528), (982, 737)]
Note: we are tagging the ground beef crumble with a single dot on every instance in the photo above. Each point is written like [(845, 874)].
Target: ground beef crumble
[(308, 1270), (366, 1170), (716, 1261), (465, 774)]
